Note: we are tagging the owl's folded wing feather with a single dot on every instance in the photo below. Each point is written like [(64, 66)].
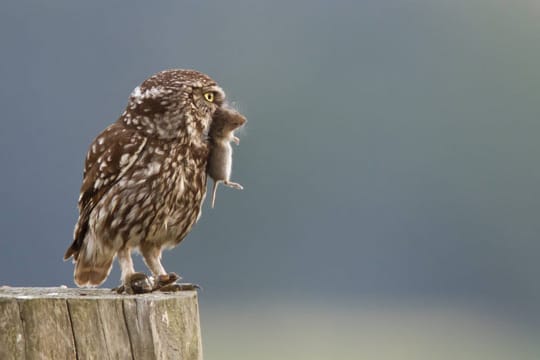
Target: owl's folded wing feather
[(110, 156)]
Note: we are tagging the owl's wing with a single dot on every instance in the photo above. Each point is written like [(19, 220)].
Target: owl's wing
[(110, 156)]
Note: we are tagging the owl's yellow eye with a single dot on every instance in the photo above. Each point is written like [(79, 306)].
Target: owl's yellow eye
[(209, 96)]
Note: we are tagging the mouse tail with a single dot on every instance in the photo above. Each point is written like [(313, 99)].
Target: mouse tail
[(214, 189)]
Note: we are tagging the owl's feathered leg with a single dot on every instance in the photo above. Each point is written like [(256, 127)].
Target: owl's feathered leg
[(152, 258), (163, 281), (126, 263)]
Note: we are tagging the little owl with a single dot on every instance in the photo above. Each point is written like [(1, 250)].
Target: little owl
[(144, 180)]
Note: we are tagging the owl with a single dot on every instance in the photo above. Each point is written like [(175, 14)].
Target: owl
[(144, 180)]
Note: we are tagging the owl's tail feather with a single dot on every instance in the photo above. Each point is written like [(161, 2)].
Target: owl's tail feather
[(89, 273)]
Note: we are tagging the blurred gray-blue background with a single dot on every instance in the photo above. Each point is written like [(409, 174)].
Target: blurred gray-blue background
[(390, 164)]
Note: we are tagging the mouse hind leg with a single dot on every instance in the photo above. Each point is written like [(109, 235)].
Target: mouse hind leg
[(233, 185)]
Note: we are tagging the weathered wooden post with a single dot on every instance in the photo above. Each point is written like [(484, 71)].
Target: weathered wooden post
[(62, 323)]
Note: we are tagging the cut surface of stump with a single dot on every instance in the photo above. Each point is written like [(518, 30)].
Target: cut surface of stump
[(63, 323)]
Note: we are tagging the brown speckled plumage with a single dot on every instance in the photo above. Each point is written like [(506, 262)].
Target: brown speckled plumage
[(145, 176)]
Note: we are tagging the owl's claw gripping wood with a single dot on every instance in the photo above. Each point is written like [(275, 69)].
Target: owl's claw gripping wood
[(167, 283), (163, 280), (178, 287)]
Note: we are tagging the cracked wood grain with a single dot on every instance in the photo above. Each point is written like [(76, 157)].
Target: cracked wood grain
[(60, 323)]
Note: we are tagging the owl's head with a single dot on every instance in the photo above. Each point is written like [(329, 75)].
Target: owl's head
[(174, 104)]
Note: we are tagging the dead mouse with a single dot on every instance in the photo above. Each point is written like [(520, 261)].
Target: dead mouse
[(225, 121)]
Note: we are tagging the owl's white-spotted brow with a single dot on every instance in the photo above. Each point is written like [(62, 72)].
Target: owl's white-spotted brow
[(153, 92)]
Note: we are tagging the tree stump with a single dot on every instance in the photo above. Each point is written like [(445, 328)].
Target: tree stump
[(62, 323)]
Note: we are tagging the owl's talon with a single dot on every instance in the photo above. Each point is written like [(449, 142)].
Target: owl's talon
[(120, 289), (178, 287), (163, 280)]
